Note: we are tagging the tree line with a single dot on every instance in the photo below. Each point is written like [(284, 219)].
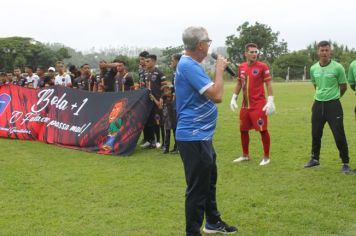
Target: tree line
[(276, 54), (20, 51)]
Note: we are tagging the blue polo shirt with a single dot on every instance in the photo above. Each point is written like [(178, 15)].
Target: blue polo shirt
[(196, 114)]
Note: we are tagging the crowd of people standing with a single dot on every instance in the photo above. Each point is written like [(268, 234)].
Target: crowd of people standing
[(192, 115), (114, 77)]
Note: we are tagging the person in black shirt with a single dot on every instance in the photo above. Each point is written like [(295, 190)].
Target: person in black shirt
[(18, 79), (123, 80), (128, 82), (3, 78), (167, 103), (86, 80), (44, 80), (101, 76), (109, 77), (174, 62), (146, 141), (154, 79), (9, 76), (109, 81), (142, 69), (74, 73)]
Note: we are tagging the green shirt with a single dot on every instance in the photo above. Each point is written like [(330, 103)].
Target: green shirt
[(327, 80), (115, 126), (352, 73)]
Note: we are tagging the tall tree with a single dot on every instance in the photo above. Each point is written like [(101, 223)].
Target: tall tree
[(19, 51), (165, 59), (262, 35), (294, 62)]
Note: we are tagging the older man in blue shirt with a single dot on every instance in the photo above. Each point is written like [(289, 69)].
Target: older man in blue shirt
[(196, 96)]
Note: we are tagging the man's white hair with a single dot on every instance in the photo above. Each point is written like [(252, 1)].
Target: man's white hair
[(192, 36)]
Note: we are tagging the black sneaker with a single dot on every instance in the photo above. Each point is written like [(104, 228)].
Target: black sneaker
[(174, 151), (220, 227), (312, 163), (165, 151), (345, 168)]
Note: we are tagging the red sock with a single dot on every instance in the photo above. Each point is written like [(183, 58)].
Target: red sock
[(245, 140), (266, 142)]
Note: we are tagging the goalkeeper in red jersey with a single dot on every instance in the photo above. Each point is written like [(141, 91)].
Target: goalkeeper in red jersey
[(251, 78)]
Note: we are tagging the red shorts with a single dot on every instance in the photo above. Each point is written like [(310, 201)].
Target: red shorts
[(253, 119)]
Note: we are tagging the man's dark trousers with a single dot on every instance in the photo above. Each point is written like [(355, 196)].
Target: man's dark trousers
[(148, 130), (199, 159), (331, 112)]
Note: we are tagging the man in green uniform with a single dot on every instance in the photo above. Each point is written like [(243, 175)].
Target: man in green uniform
[(329, 80), (352, 80), (352, 75)]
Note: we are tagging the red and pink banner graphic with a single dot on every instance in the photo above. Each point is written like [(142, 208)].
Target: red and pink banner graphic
[(107, 123)]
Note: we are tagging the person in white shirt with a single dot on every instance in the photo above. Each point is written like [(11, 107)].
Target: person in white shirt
[(31, 77), (62, 78)]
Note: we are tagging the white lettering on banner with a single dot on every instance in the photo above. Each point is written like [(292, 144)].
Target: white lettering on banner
[(4, 129), (29, 117), (16, 115), (34, 117), (19, 131), (63, 126), (78, 129), (81, 106), (58, 125), (46, 98), (14, 130)]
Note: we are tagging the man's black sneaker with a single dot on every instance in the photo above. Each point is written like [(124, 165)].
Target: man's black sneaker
[(345, 168), (312, 163), (220, 227), (174, 151)]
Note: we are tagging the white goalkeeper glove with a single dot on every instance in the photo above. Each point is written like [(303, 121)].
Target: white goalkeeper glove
[(233, 103), (269, 108)]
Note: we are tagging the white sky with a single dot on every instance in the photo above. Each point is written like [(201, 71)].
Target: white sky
[(160, 23)]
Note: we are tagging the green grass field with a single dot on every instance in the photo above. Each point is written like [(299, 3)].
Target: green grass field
[(48, 190)]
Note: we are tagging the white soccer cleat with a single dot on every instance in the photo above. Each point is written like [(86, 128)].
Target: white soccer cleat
[(158, 145), (241, 159), (265, 161), (145, 145)]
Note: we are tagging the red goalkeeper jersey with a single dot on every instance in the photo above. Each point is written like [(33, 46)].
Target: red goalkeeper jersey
[(252, 78)]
